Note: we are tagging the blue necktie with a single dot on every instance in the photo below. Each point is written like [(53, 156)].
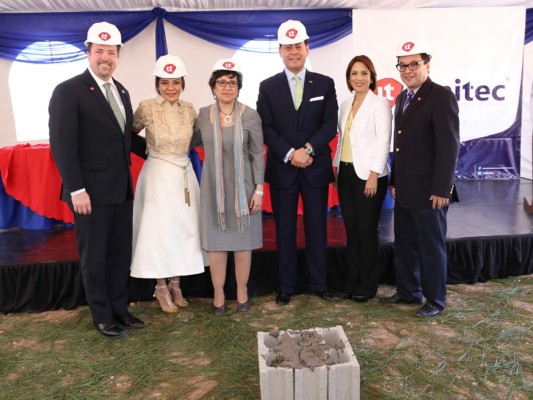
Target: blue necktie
[(408, 99)]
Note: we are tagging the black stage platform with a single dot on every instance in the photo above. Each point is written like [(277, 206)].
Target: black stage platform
[(490, 235)]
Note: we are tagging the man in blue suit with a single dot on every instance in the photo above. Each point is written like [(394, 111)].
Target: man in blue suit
[(299, 112), (426, 146), (91, 137)]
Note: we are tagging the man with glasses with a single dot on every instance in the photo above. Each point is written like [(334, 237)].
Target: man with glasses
[(298, 109), (426, 146)]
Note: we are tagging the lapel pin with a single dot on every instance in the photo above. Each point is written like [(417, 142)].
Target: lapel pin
[(91, 87)]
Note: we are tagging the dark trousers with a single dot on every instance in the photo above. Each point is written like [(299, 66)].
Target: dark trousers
[(361, 217), (105, 242), (420, 257), (285, 207)]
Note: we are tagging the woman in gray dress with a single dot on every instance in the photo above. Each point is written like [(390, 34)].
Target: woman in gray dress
[(231, 189)]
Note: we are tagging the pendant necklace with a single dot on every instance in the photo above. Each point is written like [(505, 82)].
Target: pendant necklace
[(228, 119)]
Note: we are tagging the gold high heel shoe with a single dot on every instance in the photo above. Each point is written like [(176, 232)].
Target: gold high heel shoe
[(177, 295), (165, 301)]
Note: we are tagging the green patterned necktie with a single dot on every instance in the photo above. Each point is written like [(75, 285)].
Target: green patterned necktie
[(114, 106), (298, 91)]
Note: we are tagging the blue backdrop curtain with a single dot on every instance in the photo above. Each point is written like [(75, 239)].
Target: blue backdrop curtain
[(227, 28), (19, 31), (529, 25), (235, 28)]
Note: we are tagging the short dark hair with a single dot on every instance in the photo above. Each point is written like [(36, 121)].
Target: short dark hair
[(90, 44), (369, 64), (221, 72), (426, 57), (157, 79)]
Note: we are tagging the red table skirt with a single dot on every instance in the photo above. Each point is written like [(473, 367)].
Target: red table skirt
[(30, 176)]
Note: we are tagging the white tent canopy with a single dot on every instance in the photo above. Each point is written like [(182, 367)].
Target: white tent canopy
[(28, 6)]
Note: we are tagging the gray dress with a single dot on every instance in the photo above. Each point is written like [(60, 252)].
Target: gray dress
[(212, 236)]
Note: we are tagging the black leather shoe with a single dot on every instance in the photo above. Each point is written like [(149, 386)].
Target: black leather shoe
[(283, 298), (326, 295), (429, 310), (359, 298), (110, 330), (129, 321), (395, 299)]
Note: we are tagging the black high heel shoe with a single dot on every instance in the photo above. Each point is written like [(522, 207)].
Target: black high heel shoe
[(244, 307)]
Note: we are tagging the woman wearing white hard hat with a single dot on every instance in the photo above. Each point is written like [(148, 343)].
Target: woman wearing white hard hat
[(231, 184), (166, 240)]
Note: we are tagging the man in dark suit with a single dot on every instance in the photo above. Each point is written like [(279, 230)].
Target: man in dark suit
[(90, 137), (426, 146), (299, 111)]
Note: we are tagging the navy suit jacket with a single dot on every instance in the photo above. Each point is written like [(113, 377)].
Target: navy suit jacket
[(284, 128), (87, 142), (426, 146)]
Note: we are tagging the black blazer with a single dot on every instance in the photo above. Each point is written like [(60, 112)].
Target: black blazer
[(87, 142), (426, 146), (315, 122)]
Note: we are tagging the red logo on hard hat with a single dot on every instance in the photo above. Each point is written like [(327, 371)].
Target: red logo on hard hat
[(389, 89), (228, 65), (104, 36), (169, 68), (291, 33), (408, 46)]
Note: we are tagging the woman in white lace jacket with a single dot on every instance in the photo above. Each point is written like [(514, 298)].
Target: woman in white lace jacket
[(166, 239)]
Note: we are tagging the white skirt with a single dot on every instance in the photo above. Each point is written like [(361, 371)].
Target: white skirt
[(166, 235)]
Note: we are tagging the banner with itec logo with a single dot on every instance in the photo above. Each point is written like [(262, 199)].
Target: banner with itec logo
[(477, 53)]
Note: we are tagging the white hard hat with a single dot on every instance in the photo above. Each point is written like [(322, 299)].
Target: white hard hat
[(292, 32), (227, 64), (104, 33), (169, 67), (412, 45)]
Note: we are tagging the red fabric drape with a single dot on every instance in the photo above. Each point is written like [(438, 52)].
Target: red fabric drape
[(30, 176)]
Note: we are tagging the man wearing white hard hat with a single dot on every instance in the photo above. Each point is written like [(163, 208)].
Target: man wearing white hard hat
[(166, 238), (426, 147), (90, 138), (299, 113)]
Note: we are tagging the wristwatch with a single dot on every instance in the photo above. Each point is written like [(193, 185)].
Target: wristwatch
[(309, 150)]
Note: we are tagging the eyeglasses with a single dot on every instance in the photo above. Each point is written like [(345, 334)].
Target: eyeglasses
[(232, 84), (413, 66)]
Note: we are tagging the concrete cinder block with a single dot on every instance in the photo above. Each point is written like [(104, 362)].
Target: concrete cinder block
[(340, 381)]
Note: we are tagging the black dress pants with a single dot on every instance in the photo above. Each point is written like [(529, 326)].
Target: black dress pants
[(104, 242), (361, 217)]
